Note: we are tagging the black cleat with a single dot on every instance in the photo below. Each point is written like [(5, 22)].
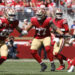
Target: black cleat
[(53, 67), (43, 67)]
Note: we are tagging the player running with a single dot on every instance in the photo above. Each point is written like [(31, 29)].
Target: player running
[(59, 41), (42, 23), (8, 23), (72, 63)]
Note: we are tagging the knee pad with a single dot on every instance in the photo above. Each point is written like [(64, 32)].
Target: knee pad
[(47, 48)]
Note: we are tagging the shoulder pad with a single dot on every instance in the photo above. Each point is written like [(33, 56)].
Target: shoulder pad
[(49, 18), (2, 17), (33, 18)]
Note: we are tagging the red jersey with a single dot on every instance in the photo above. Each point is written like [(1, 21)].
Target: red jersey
[(6, 28), (42, 30), (62, 24)]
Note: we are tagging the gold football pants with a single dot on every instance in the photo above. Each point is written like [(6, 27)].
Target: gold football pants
[(3, 49), (58, 46), (36, 43)]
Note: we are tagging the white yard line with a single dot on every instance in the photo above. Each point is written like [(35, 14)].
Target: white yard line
[(27, 60)]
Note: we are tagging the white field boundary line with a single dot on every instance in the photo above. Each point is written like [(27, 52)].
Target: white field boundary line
[(27, 60)]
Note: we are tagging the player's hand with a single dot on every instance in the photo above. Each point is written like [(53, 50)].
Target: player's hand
[(24, 32)]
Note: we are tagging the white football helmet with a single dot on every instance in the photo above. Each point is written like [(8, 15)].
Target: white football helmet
[(41, 14), (59, 14), (11, 15)]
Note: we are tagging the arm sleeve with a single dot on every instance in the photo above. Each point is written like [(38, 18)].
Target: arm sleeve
[(65, 25), (17, 27), (51, 24)]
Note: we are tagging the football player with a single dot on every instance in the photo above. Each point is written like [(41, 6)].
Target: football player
[(71, 69), (42, 23), (7, 24), (59, 41)]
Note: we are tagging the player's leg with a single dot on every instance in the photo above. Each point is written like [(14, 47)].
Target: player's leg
[(47, 42), (60, 58), (57, 48), (36, 43), (4, 53), (71, 69), (62, 65)]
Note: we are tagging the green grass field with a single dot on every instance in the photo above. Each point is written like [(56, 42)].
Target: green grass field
[(28, 67)]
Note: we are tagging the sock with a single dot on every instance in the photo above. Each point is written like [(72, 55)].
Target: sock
[(49, 53), (73, 62), (64, 58), (2, 59), (59, 57), (36, 56)]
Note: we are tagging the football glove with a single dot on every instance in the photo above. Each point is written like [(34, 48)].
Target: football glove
[(24, 32)]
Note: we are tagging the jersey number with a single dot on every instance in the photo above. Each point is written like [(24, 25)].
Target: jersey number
[(41, 31)]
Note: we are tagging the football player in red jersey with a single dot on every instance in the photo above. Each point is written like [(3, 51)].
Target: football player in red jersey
[(7, 24), (42, 23), (71, 69), (59, 41)]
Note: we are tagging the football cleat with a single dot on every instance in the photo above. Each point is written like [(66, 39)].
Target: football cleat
[(53, 67), (43, 67), (71, 69), (69, 64), (61, 67)]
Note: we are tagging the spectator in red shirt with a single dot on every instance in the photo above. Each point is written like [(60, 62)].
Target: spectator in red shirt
[(33, 3)]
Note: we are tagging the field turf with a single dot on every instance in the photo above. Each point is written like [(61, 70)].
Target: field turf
[(29, 67)]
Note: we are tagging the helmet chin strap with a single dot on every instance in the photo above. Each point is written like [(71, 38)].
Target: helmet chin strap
[(11, 21)]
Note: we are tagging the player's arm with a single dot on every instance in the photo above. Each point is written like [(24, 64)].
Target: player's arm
[(65, 26), (25, 31), (55, 28), (19, 29), (29, 27)]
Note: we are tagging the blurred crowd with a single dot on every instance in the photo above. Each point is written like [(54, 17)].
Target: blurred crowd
[(30, 6)]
